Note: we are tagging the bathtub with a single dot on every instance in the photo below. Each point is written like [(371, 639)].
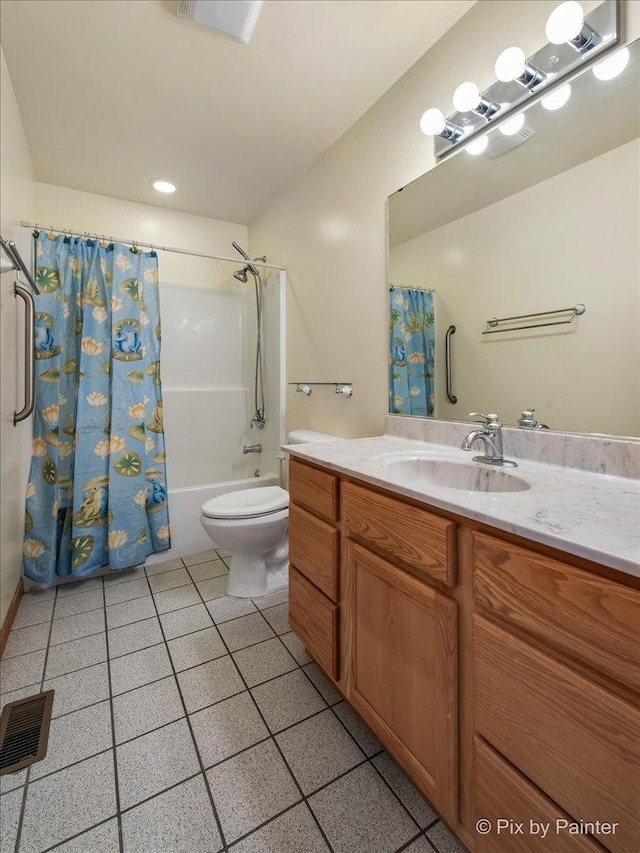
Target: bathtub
[(188, 536)]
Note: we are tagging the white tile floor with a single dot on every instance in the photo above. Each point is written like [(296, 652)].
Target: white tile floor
[(185, 721)]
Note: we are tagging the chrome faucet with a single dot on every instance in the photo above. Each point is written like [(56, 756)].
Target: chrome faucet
[(528, 421), (252, 448), (491, 436), (258, 420)]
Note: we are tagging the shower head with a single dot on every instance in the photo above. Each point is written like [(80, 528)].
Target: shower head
[(241, 275), (250, 267)]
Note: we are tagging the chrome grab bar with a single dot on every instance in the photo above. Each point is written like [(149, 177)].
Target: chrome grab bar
[(29, 344), (15, 257), (575, 311), (447, 357)]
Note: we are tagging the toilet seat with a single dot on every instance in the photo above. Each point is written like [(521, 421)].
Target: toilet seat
[(247, 503)]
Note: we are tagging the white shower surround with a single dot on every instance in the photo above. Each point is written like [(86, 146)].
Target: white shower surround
[(208, 351)]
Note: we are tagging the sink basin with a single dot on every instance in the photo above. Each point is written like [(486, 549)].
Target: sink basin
[(428, 470)]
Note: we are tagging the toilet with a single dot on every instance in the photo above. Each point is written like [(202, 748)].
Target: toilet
[(253, 524)]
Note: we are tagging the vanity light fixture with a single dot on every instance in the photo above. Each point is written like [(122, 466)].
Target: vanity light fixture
[(558, 98), (478, 146), (467, 98), (433, 123), (512, 65), (513, 125), (613, 65), (575, 41), (163, 186), (566, 25)]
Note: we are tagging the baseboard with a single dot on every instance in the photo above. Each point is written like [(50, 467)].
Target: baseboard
[(11, 615)]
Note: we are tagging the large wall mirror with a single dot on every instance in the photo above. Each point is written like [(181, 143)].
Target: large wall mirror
[(542, 221)]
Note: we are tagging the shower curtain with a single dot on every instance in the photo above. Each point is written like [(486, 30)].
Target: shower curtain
[(411, 352), (97, 492)]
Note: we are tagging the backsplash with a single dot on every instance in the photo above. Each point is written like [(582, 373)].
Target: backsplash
[(617, 457)]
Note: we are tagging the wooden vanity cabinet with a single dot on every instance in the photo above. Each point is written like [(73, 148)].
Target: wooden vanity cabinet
[(403, 670), (503, 676)]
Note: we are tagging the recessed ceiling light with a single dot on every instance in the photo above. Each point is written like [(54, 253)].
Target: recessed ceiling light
[(164, 186)]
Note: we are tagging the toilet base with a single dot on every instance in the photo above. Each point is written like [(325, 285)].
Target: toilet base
[(251, 577)]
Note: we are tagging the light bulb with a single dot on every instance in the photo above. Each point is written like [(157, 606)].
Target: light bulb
[(466, 97), (478, 145), (556, 100), (432, 122), (612, 65), (164, 186), (565, 22), (512, 125), (510, 64)]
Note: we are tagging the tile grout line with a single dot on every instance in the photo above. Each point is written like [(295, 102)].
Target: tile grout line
[(191, 732), (162, 678), (352, 736), (205, 708), (354, 739), (408, 843), (271, 735), (390, 787), (116, 780), (28, 776), (277, 746), (59, 844)]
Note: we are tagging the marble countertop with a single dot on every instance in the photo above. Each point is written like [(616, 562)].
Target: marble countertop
[(595, 516)]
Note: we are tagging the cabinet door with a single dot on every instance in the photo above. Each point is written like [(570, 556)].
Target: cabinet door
[(404, 671)]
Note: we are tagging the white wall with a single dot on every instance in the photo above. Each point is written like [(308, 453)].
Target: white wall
[(329, 227), (79, 211), (482, 266), (17, 201)]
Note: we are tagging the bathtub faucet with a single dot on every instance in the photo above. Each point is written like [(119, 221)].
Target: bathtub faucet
[(252, 448)]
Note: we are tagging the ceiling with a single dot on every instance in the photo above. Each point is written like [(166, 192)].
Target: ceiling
[(115, 93)]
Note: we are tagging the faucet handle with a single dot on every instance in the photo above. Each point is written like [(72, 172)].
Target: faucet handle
[(487, 420)]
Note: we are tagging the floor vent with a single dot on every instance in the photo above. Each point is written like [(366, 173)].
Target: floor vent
[(24, 731)]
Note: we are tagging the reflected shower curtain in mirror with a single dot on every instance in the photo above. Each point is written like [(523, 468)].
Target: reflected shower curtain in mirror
[(97, 491), (411, 351)]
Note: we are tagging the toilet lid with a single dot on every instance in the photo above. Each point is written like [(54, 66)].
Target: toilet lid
[(247, 503)]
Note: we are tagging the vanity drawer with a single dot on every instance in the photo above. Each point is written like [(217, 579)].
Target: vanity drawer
[(504, 794), (316, 490), (315, 620), (314, 548), (594, 620), (573, 739), (407, 534)]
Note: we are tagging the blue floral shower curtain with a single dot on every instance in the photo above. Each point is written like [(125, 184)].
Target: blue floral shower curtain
[(411, 352), (97, 493)]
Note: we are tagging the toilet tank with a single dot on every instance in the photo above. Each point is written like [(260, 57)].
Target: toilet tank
[(306, 436)]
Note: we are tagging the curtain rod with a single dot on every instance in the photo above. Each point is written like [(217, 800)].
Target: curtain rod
[(89, 235), (410, 287)]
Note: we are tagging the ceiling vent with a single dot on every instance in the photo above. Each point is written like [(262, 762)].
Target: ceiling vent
[(235, 18), (500, 144)]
